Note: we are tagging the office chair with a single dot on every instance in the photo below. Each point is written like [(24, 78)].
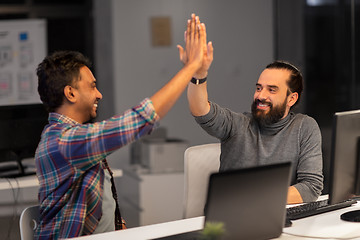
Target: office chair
[(29, 220), (199, 162)]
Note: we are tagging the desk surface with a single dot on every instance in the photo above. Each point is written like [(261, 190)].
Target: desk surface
[(326, 225), (32, 181)]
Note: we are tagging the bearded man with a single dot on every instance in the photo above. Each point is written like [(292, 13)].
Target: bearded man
[(270, 134)]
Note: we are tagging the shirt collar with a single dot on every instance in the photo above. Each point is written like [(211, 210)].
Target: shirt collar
[(278, 126), (60, 118)]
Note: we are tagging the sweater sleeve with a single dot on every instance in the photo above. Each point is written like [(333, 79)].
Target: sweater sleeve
[(309, 169), (218, 122)]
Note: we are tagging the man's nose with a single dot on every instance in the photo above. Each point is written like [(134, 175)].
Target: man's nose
[(99, 95), (262, 94)]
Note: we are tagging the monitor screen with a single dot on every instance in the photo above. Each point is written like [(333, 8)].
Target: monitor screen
[(344, 169), (20, 131)]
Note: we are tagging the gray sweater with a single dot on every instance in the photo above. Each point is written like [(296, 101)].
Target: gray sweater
[(296, 138)]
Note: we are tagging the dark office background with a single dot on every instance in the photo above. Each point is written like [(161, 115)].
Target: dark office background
[(320, 36), (69, 26), (332, 58)]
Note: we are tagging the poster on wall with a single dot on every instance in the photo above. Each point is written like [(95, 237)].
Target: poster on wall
[(23, 46)]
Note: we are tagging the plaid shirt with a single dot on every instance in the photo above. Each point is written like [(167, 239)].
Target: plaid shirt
[(70, 169)]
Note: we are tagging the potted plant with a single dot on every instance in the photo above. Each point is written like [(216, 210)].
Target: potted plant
[(213, 231)]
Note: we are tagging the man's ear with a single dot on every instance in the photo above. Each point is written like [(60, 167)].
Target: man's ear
[(70, 94), (292, 99)]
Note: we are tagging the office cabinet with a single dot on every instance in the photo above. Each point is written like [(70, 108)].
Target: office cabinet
[(151, 198)]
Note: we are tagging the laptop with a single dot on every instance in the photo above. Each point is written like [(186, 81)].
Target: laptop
[(250, 202)]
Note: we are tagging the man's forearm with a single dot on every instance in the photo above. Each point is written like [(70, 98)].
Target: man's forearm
[(198, 99), (166, 97)]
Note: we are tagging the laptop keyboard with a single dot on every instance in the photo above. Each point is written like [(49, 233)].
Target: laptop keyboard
[(313, 208)]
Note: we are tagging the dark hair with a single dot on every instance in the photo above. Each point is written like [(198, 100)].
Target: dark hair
[(295, 82), (55, 72)]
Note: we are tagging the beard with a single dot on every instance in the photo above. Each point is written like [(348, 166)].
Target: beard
[(274, 115), (92, 115)]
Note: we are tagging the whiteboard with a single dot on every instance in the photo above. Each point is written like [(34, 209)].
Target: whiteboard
[(23, 46)]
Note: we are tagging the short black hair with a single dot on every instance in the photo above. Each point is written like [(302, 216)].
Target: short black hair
[(55, 72), (295, 82)]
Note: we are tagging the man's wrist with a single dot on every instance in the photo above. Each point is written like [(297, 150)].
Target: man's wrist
[(200, 75)]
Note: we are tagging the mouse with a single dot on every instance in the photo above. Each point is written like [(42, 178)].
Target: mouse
[(352, 216)]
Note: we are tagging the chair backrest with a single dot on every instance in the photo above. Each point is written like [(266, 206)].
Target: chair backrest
[(200, 161), (29, 220)]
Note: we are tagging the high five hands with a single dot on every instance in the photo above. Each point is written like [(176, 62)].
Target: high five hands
[(194, 36)]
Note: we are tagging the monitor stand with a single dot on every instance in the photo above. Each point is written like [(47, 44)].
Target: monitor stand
[(351, 216)]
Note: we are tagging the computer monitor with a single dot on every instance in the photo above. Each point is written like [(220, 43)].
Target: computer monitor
[(20, 131), (345, 163)]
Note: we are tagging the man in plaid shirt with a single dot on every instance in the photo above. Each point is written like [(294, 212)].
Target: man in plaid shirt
[(77, 195)]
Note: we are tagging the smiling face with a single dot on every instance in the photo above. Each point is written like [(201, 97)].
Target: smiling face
[(88, 95), (272, 98)]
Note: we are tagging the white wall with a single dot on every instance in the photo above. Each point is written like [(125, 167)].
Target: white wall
[(242, 35)]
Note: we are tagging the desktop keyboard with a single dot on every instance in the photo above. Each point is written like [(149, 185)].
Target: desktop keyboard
[(313, 208)]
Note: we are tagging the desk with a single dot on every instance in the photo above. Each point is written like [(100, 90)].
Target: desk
[(326, 225), (32, 181), (21, 192)]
